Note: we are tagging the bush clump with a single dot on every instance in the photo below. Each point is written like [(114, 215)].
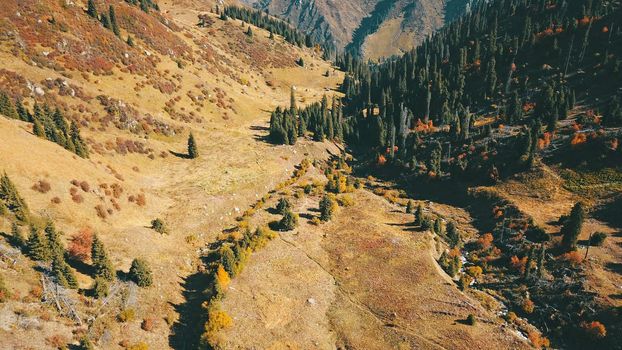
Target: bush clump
[(158, 226)]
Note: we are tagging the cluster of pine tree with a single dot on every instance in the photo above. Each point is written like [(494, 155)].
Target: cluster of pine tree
[(286, 125), (276, 26), (47, 247), (108, 20), (47, 123), (145, 5), (10, 200)]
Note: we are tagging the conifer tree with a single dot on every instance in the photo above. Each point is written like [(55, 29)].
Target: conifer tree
[(7, 107), (63, 273), (130, 41), (113, 21), (572, 227), (228, 260), (409, 207), (327, 207), (419, 215), (10, 198), (140, 273), (92, 9), (36, 246), (193, 152), (38, 128), (55, 247), (77, 141), (289, 220), (102, 267), (453, 237), (17, 238)]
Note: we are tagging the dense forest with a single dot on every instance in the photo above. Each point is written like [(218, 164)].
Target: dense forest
[(508, 69)]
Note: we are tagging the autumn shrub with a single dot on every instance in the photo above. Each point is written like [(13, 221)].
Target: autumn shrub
[(85, 186), (594, 329), (141, 201), (139, 346), (485, 241), (474, 271), (465, 281), (345, 200), (77, 198), (574, 257), (538, 340), (217, 320), (80, 245), (126, 315), (518, 264), (101, 211), (42, 186), (527, 306), (55, 200), (4, 292), (147, 324), (57, 341)]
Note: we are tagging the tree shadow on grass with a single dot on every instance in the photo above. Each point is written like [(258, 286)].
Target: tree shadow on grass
[(179, 155), (187, 330)]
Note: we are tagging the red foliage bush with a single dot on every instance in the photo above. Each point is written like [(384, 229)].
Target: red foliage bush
[(85, 186), (55, 200), (101, 212), (80, 245), (77, 198), (42, 186), (595, 329), (147, 324)]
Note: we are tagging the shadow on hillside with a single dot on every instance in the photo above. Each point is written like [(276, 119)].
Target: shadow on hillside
[(187, 330), (179, 155)]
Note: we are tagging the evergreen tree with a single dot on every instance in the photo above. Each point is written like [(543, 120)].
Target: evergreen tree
[(37, 128), (193, 152), (140, 273), (55, 247), (17, 238), (514, 110), (92, 9), (10, 198), (292, 100), (36, 246), (77, 141), (453, 237), (572, 227), (102, 267), (419, 215), (409, 207), (283, 205), (63, 273), (327, 207), (6, 106), (289, 220), (113, 21), (130, 41), (228, 260)]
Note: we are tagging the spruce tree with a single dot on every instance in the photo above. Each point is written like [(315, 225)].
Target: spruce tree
[(102, 267), (77, 141), (572, 227), (228, 260), (63, 273), (453, 237), (193, 152), (17, 238), (55, 247), (327, 207), (140, 273), (92, 9), (36, 246), (130, 41), (113, 21), (289, 220), (10, 198), (419, 215), (409, 207)]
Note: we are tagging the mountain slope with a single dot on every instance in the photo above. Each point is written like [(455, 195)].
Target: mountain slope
[(374, 29)]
